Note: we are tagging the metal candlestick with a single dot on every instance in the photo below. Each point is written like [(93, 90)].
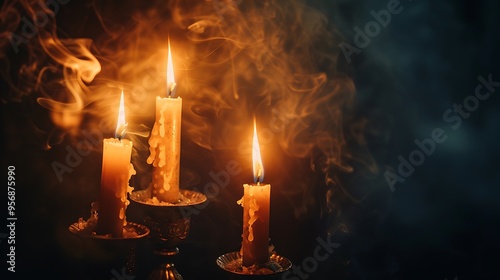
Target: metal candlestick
[(232, 264), (169, 224), (122, 248)]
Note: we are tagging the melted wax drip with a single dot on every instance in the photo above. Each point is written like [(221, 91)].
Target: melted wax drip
[(131, 171), (157, 155), (253, 207)]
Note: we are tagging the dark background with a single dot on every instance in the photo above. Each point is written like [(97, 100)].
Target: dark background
[(440, 223)]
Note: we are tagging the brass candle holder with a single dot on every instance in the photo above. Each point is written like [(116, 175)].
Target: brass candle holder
[(232, 264), (121, 248), (169, 226)]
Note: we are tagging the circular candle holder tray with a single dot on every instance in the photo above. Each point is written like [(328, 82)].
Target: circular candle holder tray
[(187, 198), (87, 230), (102, 252), (169, 224), (232, 264)]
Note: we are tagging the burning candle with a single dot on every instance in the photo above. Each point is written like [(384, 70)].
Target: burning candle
[(256, 202), (165, 141), (116, 173)]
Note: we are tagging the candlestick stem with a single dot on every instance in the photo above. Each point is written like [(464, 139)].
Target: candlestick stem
[(169, 226), (165, 272)]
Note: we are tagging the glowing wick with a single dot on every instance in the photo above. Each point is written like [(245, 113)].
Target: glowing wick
[(121, 125), (258, 168), (171, 85)]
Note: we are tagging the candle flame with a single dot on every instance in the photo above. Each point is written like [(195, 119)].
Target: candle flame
[(121, 125), (258, 168), (170, 74)]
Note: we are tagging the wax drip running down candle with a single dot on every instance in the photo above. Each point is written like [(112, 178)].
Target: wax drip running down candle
[(164, 143), (121, 125)]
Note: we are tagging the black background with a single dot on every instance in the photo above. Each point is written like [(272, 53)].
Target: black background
[(440, 223)]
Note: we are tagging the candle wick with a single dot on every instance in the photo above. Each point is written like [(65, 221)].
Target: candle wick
[(119, 133), (172, 90)]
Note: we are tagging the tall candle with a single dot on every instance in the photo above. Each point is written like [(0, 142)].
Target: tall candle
[(165, 142), (115, 176), (256, 204)]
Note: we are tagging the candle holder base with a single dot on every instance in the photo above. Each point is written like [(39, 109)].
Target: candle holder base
[(112, 251), (166, 252), (165, 271), (232, 264), (169, 223), (131, 231)]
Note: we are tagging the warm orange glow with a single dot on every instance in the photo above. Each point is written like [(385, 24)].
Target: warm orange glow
[(170, 73), (121, 125), (258, 168)]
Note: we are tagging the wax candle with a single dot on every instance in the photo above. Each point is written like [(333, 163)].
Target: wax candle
[(165, 142), (115, 176), (256, 204)]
